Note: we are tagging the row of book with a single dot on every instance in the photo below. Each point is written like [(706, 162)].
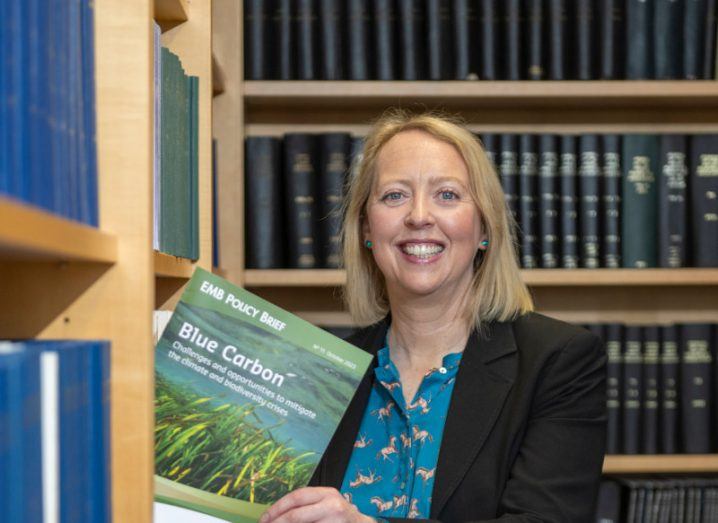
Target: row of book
[(479, 40), (48, 154), (55, 432), (632, 200), (176, 164), (588, 201), (662, 388), (659, 500)]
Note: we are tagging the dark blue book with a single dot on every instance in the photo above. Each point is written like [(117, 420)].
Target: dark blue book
[(331, 22), (669, 390), (489, 16), (535, 40), (509, 173), (512, 47), (285, 40), (558, 32), (359, 39), (412, 44), (668, 39), (307, 36), (696, 387), (651, 400), (256, 39), (490, 143), (632, 397), (589, 177), (97, 358), (639, 40), (612, 33), (611, 200), (585, 40), (614, 386), (439, 40), (673, 201), (569, 202), (694, 36), (334, 151), (384, 21), (528, 219), (549, 201), (465, 21), (703, 183)]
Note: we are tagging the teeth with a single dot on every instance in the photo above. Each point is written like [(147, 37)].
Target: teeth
[(422, 250)]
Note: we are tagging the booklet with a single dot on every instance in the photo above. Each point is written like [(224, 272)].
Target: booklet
[(247, 397)]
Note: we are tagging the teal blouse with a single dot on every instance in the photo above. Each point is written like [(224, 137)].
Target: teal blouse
[(391, 469)]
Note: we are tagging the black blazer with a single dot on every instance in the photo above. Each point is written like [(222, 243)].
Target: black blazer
[(525, 433)]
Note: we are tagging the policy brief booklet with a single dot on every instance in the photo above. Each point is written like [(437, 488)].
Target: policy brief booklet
[(247, 397)]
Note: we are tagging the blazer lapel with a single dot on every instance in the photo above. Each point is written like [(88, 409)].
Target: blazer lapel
[(338, 452), (482, 385)]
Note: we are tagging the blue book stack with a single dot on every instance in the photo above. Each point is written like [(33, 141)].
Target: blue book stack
[(55, 437), (48, 154)]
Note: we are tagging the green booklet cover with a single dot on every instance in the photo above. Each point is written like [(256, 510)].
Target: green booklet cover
[(247, 397)]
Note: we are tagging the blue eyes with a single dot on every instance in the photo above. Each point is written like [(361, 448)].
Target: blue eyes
[(445, 195)]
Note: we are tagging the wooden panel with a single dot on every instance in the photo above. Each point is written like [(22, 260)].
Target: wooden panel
[(687, 463), (217, 77), (227, 124), (534, 278), (168, 266), (170, 12), (29, 233), (190, 41)]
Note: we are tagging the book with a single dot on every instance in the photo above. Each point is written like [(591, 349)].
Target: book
[(285, 40), (528, 220), (489, 38), (694, 36), (509, 173), (639, 201), (384, 39), (611, 201), (585, 40), (639, 40), (306, 43), (272, 387), (589, 177), (668, 410), (709, 41), (557, 48), (358, 34), (649, 426), (439, 39), (672, 202), (535, 62), (612, 32), (632, 396), (465, 23), (334, 151), (668, 39), (549, 201), (569, 207), (512, 48), (331, 18), (264, 219), (614, 386), (696, 388), (256, 39), (703, 183), (412, 47)]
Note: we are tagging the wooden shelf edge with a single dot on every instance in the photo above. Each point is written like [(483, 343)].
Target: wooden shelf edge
[(680, 463), (168, 266), (218, 78), (533, 278), (641, 90), (30, 233), (171, 12)]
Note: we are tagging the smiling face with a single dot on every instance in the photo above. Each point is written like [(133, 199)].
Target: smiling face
[(421, 218)]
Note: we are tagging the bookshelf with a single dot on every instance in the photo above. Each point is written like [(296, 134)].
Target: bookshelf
[(248, 108), (62, 280)]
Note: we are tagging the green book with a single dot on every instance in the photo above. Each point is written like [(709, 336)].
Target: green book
[(640, 200), (194, 167), (247, 398)]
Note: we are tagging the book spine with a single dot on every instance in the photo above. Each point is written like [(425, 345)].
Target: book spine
[(411, 39), (263, 203), (509, 173), (589, 174), (438, 30), (667, 39), (632, 389), (358, 28), (300, 189), (614, 386), (639, 40), (331, 18), (611, 212), (549, 200), (640, 163), (585, 39), (612, 27), (693, 38), (465, 22), (569, 208), (703, 182), (306, 39), (528, 173), (256, 40), (32, 439), (696, 388), (491, 146), (512, 39), (709, 41), (558, 20), (672, 196), (669, 390), (651, 351), (334, 150), (285, 38), (536, 69), (384, 38), (488, 35)]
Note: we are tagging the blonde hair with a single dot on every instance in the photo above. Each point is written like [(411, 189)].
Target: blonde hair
[(497, 292)]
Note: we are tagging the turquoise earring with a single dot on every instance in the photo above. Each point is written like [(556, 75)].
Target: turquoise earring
[(485, 243), (368, 244)]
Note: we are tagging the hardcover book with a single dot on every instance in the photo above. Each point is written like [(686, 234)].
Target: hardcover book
[(247, 398)]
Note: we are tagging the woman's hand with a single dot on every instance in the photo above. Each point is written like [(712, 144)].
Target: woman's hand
[(314, 504)]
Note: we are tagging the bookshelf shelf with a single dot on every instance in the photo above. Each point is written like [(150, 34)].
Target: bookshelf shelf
[(534, 278), (660, 464), (217, 77), (171, 12), (465, 94), (27, 233), (168, 266)]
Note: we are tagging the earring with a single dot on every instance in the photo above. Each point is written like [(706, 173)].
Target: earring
[(485, 243), (368, 244)]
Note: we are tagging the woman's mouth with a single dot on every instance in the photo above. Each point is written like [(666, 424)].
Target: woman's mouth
[(422, 251)]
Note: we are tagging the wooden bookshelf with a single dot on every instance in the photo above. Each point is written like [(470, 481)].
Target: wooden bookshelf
[(534, 278), (170, 12), (168, 266), (29, 233), (661, 464)]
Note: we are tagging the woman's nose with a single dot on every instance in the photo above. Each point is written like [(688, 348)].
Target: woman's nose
[(419, 214)]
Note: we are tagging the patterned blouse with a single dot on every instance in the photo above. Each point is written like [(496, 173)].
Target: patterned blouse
[(391, 470)]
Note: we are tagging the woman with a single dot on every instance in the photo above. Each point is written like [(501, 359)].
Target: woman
[(477, 409)]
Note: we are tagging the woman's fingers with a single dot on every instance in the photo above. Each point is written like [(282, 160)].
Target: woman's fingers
[(302, 497)]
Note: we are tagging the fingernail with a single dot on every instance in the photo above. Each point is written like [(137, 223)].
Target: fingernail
[(264, 518)]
